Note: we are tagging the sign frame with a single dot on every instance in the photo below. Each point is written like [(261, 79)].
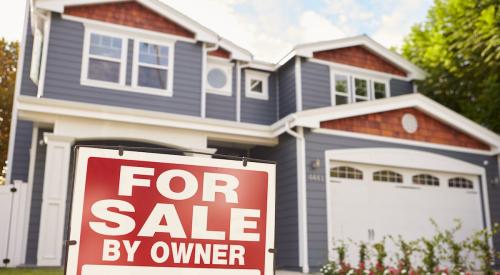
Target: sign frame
[(160, 155)]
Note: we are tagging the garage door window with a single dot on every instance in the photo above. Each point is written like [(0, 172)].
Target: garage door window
[(425, 179), (460, 182), (387, 176), (346, 172)]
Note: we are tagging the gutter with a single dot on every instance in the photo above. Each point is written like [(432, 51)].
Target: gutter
[(206, 50)]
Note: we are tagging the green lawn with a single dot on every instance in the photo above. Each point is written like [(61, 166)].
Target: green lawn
[(26, 271)]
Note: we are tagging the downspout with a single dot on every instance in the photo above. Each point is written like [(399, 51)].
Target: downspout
[(205, 51), (301, 194)]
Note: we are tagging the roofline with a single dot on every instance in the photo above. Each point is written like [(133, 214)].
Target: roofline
[(313, 118)]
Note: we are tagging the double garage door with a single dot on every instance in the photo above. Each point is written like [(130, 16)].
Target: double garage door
[(368, 202)]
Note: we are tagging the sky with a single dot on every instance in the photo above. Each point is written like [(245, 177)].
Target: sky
[(271, 28)]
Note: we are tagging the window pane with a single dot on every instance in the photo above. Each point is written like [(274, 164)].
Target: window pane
[(346, 172), (361, 87), (340, 99), (217, 78), (256, 86), (425, 179), (104, 70), (153, 54), (152, 78), (379, 90), (104, 45), (341, 84)]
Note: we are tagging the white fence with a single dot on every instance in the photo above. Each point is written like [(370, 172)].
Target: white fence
[(13, 223)]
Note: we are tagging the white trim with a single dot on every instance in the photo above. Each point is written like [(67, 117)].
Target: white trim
[(45, 50), (203, 100), (259, 76), (298, 84), (351, 92), (302, 200), (224, 65), (399, 158), (400, 141), (17, 92), (86, 56), (170, 67)]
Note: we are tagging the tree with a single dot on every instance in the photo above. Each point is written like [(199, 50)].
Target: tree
[(459, 47), (8, 66)]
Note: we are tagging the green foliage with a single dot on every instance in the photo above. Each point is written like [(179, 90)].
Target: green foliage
[(8, 65), (479, 244), (459, 47)]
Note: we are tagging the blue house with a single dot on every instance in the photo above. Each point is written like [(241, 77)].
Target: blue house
[(360, 153)]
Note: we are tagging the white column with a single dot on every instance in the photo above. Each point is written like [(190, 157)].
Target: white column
[(57, 162)]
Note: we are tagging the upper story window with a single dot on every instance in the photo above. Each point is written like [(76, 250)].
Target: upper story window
[(349, 88), (104, 60), (107, 62), (219, 76), (152, 69), (256, 85)]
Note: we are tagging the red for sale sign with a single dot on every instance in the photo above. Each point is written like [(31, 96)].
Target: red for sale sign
[(143, 213)]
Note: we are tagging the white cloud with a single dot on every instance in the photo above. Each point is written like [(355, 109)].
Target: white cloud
[(12, 19)]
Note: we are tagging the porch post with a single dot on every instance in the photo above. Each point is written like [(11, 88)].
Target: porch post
[(50, 242)]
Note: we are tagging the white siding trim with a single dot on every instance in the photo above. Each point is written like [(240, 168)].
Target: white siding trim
[(260, 76), (238, 91), (203, 100), (17, 92), (302, 201), (43, 65), (298, 84)]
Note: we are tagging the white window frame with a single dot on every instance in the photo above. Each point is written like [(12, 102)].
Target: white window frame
[(383, 81), (259, 76), (226, 66), (334, 92), (351, 76), (355, 97), (170, 67), (86, 57)]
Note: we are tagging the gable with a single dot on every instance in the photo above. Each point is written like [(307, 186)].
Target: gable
[(131, 14), (359, 56), (389, 124), (220, 52)]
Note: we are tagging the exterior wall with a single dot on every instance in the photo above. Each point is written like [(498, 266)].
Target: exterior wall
[(316, 91), (256, 110), (22, 145), (317, 144), (64, 69), (389, 124), (27, 86), (130, 14), (286, 94), (287, 235), (36, 201), (400, 87), (359, 56), (221, 106)]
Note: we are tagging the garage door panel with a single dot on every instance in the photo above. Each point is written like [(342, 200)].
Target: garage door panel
[(392, 208)]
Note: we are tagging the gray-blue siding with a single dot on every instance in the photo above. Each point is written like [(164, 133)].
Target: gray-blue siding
[(220, 106), (286, 92), (36, 201), (64, 70), (317, 144), (21, 157), (256, 110), (316, 85), (27, 86), (287, 243)]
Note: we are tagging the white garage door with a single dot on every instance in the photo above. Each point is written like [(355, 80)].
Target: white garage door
[(368, 202)]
